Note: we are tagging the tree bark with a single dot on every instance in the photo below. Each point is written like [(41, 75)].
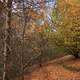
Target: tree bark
[(7, 41), (76, 55), (22, 52), (40, 61)]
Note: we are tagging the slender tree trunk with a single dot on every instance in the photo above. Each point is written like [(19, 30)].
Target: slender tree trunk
[(22, 57), (76, 55), (22, 68), (40, 61), (7, 41), (22, 45), (22, 52)]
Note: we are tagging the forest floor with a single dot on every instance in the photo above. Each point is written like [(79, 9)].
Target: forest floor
[(64, 68), (54, 70)]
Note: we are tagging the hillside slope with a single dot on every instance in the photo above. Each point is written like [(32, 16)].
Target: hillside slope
[(54, 70)]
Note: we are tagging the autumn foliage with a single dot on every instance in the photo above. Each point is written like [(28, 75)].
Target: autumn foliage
[(33, 32)]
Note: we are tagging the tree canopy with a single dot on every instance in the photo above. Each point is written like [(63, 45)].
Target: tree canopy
[(66, 19)]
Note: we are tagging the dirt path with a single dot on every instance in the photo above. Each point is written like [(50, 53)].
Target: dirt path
[(62, 59)]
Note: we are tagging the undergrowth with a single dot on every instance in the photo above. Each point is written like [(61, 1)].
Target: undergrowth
[(71, 68)]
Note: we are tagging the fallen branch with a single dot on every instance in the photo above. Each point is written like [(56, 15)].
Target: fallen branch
[(32, 58)]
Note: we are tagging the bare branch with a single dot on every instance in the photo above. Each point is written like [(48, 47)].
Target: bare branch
[(32, 58)]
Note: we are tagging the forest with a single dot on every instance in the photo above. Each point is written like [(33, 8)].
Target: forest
[(39, 39)]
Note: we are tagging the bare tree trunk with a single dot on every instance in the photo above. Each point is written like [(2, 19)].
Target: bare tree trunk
[(22, 52), (40, 61), (7, 41), (22, 64), (22, 45), (22, 59), (76, 55)]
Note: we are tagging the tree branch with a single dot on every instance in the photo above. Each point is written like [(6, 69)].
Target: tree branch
[(32, 58)]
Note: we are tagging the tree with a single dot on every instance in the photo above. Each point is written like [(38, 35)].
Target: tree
[(30, 12), (24, 26), (67, 23), (7, 39)]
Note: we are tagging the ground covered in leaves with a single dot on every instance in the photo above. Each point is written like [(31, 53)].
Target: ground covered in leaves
[(55, 70)]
